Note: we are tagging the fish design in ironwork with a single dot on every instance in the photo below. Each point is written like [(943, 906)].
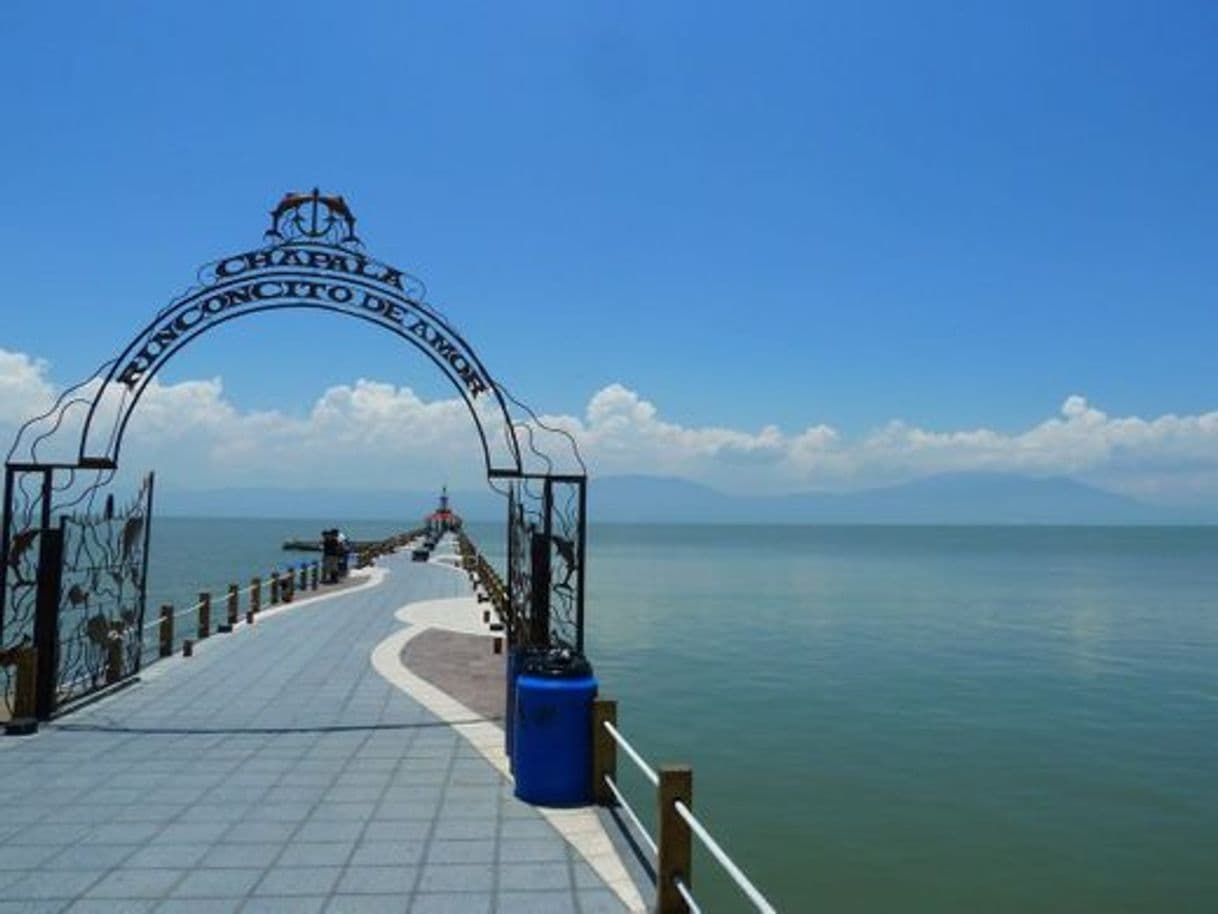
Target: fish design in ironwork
[(21, 544), (78, 596), (131, 535)]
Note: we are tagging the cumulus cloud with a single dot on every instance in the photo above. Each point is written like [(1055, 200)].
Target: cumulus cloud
[(370, 433)]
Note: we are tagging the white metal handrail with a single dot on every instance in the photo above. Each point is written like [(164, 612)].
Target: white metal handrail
[(647, 770), (746, 886), (737, 875), (685, 893), (626, 808)]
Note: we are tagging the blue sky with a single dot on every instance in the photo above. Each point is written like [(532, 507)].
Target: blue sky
[(954, 216)]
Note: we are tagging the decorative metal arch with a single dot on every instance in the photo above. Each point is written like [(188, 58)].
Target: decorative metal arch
[(311, 259)]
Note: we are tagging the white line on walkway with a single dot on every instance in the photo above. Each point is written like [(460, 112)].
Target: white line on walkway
[(581, 827)]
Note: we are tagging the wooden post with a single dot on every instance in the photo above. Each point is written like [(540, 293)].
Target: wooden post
[(24, 705), (304, 578), (313, 574), (204, 615), (188, 648), (604, 750), (287, 588), (234, 612), (255, 598), (167, 630), (274, 587), (498, 645), (675, 856), (114, 660)]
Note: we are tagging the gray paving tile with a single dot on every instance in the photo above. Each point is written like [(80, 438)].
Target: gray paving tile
[(600, 901), (53, 834), (464, 829), (539, 876), (199, 906), (366, 904), (535, 903), (455, 877), (477, 851), (397, 830), (27, 856), (387, 853), (335, 853), (136, 883), (330, 831), (258, 856), (451, 903), (25, 906), (277, 812), (298, 880), (171, 856), (218, 883), (122, 833), (524, 850), (53, 884), (89, 856), (197, 833), (285, 904), (259, 832), (111, 906), (534, 827), (377, 880)]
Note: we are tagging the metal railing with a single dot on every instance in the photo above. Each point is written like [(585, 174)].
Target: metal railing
[(672, 849)]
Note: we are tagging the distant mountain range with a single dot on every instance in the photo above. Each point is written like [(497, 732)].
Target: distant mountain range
[(966, 498)]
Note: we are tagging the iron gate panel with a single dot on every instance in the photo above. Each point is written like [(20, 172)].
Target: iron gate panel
[(102, 591), (547, 542)]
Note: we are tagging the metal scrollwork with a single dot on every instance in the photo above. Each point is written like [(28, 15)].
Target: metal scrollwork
[(101, 611), (313, 217)]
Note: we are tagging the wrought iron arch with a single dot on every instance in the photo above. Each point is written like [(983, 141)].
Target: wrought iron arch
[(302, 266), (311, 259)]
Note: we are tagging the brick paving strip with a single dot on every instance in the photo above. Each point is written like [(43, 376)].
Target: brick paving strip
[(278, 770)]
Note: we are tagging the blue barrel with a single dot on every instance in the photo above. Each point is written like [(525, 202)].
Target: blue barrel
[(516, 657), (552, 745)]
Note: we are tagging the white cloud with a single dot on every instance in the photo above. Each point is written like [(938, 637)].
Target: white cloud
[(374, 434), (24, 388)]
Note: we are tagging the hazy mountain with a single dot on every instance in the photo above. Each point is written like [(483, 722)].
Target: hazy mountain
[(969, 498)]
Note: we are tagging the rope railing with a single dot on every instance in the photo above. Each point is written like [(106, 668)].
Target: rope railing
[(677, 823)]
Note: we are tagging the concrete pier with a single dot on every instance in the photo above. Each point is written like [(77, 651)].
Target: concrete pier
[(289, 767)]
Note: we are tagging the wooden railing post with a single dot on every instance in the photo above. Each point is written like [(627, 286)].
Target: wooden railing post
[(255, 599), (274, 587), (114, 660), (604, 750), (167, 630), (24, 705), (204, 615), (234, 609), (287, 588), (313, 574), (304, 578), (675, 855)]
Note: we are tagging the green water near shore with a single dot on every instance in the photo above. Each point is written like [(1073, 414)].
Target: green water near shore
[(926, 719)]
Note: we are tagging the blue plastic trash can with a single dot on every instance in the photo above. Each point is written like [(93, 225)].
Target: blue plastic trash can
[(552, 745)]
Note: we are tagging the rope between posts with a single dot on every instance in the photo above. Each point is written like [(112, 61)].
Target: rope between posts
[(630, 814), (221, 595), (754, 895), (647, 770)]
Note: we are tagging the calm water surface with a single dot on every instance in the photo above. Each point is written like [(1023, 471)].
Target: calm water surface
[(952, 719)]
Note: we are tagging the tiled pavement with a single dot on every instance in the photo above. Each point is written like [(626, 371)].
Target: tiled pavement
[(276, 771)]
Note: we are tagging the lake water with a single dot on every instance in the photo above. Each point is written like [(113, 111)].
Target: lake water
[(953, 719)]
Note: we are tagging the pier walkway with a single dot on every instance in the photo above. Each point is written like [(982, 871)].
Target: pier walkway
[(280, 770)]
